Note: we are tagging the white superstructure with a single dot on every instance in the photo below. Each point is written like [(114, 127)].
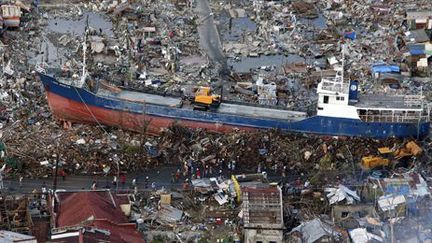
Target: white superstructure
[(340, 99), (333, 98)]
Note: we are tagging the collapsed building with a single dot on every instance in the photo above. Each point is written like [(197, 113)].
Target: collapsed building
[(262, 215)]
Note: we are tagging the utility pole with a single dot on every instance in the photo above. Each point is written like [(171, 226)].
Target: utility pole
[(116, 178), (118, 175), (56, 170)]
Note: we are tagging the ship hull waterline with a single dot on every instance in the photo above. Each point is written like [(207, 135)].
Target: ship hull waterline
[(69, 110), (81, 106)]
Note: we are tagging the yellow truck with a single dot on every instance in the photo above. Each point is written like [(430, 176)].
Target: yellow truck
[(204, 99), (386, 155)]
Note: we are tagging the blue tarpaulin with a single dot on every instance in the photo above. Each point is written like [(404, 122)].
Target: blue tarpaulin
[(350, 35), (417, 49), (403, 189), (385, 68)]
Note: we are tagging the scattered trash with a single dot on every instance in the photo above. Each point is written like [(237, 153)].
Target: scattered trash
[(340, 194), (314, 230), (253, 53)]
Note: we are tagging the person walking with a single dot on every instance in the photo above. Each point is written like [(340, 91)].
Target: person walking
[(198, 173), (123, 180), (20, 181), (206, 171), (211, 170), (114, 182), (44, 190), (63, 174), (173, 177), (93, 186), (284, 173), (185, 169), (134, 182), (186, 185), (177, 175), (146, 182), (190, 164), (1, 176)]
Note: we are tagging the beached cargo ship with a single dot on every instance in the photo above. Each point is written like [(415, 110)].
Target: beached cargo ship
[(341, 110)]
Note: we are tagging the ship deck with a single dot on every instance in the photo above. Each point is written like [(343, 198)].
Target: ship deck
[(147, 98), (226, 108), (257, 112), (374, 101)]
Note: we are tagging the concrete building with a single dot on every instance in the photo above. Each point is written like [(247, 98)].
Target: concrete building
[(262, 215), (419, 19)]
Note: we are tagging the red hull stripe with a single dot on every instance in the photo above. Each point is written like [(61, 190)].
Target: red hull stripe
[(73, 111)]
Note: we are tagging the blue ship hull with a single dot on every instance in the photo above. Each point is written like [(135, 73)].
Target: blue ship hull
[(77, 104)]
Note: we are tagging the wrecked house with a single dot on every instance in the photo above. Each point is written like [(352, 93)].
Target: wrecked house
[(399, 196), (262, 215), (419, 19), (15, 215), (353, 216), (418, 36), (147, 32), (92, 215), (11, 15), (315, 230)]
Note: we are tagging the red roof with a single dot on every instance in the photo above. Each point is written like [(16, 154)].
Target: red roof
[(99, 209), (76, 207), (120, 233)]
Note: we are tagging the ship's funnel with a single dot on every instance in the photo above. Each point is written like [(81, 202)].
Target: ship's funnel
[(353, 92)]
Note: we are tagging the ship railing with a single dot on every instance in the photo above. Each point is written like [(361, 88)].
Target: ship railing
[(413, 100), (394, 119), (334, 84)]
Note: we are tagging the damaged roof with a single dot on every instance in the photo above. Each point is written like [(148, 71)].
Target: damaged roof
[(99, 209), (76, 207), (314, 230), (411, 15)]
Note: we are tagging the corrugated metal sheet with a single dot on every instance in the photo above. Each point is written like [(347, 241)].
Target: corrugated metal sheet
[(385, 68), (416, 49)]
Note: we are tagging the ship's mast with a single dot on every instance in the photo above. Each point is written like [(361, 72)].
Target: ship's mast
[(343, 61), (84, 68)]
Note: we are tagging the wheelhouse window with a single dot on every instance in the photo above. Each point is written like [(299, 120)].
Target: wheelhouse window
[(326, 99)]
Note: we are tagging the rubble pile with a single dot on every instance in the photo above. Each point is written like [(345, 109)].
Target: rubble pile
[(83, 149), (373, 34), (316, 188)]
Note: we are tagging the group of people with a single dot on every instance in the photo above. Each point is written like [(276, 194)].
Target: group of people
[(115, 183), (193, 171)]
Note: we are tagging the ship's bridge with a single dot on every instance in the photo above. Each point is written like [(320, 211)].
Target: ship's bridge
[(340, 99), (333, 85), (333, 98)]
